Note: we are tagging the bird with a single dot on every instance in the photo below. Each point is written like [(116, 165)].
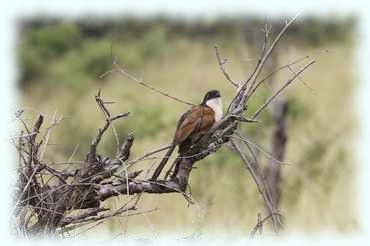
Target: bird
[(193, 125)]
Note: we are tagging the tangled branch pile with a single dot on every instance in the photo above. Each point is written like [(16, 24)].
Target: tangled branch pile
[(53, 200)]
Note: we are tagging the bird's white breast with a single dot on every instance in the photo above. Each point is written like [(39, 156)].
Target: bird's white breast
[(216, 105)]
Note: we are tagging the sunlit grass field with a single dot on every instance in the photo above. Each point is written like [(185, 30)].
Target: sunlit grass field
[(317, 186)]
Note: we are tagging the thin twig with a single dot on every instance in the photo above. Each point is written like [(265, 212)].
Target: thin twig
[(148, 85), (275, 71), (272, 97), (54, 122), (152, 152), (268, 155), (221, 63), (260, 186), (259, 225), (262, 61)]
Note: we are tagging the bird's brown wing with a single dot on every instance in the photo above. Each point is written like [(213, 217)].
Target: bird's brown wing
[(198, 120)]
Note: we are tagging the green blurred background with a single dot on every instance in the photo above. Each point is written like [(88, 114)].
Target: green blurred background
[(60, 63)]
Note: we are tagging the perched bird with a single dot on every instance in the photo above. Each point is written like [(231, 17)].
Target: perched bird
[(192, 125)]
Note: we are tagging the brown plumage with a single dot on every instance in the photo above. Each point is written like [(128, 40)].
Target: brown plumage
[(192, 125)]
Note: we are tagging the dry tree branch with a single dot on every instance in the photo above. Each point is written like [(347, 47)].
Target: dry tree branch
[(259, 224), (273, 96), (144, 156), (265, 55), (109, 120), (264, 152), (48, 131), (261, 185), (275, 71), (118, 69), (97, 178), (221, 63)]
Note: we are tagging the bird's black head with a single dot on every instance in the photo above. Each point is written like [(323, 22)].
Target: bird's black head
[(211, 95)]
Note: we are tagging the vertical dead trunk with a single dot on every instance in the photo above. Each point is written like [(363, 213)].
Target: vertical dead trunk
[(279, 108), (272, 169)]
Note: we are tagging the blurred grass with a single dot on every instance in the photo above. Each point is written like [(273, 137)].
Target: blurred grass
[(60, 68)]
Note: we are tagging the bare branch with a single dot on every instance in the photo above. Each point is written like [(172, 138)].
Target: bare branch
[(221, 63), (92, 154), (288, 82), (259, 225), (261, 187), (274, 72), (143, 157), (124, 151), (262, 61), (268, 155), (147, 84), (36, 128)]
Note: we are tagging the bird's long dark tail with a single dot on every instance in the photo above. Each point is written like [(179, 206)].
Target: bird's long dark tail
[(183, 148), (161, 165)]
